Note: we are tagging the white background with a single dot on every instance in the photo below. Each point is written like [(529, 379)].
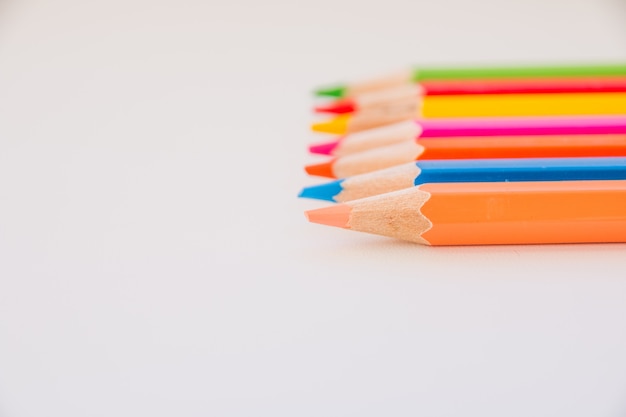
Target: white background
[(154, 259)]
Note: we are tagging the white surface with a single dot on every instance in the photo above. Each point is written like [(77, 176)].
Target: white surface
[(136, 281)]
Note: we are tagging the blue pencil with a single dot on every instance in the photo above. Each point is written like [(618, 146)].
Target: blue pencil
[(468, 170)]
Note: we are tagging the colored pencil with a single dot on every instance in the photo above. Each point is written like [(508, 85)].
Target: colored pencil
[(410, 130), (489, 213), (417, 75), (496, 147), (483, 105), (467, 170), (413, 94), (389, 99)]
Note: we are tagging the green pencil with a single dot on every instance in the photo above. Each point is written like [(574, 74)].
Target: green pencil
[(416, 75)]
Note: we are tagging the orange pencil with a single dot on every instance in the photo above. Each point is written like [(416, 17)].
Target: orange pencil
[(489, 213), (480, 147)]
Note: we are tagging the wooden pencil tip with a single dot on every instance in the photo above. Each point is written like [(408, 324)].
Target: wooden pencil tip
[(325, 169), (337, 216)]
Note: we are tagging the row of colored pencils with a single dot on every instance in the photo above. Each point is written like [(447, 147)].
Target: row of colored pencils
[(466, 156)]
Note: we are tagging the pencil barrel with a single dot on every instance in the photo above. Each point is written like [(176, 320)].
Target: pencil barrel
[(526, 212), (464, 73)]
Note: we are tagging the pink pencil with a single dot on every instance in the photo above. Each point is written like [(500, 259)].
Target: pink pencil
[(431, 128), (523, 126)]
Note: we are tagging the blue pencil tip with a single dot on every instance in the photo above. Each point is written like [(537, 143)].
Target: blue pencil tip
[(326, 191)]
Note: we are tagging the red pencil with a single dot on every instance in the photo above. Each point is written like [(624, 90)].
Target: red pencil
[(411, 94)]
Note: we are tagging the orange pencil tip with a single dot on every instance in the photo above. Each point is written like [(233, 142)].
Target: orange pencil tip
[(325, 169), (338, 215)]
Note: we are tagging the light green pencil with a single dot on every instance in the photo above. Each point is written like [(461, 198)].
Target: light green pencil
[(416, 75)]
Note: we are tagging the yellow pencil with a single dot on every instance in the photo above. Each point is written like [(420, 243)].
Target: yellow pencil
[(482, 105)]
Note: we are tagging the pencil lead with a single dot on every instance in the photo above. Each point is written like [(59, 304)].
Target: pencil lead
[(326, 191), (325, 148), (337, 125), (325, 169), (337, 107), (336, 91), (337, 215)]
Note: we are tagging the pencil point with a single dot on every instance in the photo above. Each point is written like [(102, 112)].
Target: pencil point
[(325, 148), (326, 191), (337, 107), (325, 169), (337, 215), (337, 125), (337, 91)]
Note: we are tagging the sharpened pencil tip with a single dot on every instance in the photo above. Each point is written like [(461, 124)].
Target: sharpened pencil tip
[(337, 125), (325, 148), (336, 91), (337, 107), (338, 215), (326, 191), (324, 169)]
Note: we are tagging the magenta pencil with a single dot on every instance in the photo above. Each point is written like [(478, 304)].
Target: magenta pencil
[(523, 126), (471, 127)]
